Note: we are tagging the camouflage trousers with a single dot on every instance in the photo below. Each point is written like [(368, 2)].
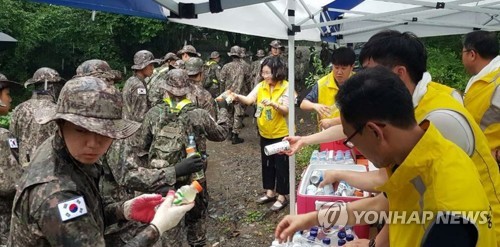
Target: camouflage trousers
[(5, 214), (237, 118), (194, 222)]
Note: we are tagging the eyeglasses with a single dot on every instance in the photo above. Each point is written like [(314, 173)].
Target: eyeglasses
[(266, 73), (348, 142)]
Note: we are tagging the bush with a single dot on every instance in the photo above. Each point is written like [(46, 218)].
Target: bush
[(5, 121)]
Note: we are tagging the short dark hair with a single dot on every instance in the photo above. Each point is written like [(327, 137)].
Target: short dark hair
[(343, 56), (391, 48), (376, 94), (484, 43), (278, 67)]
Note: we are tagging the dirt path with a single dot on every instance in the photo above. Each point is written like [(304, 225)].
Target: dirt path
[(234, 182)]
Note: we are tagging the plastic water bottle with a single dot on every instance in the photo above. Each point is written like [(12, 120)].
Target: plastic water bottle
[(339, 157), (341, 242), (314, 158), (348, 157), (187, 193), (331, 158), (311, 189), (322, 157), (191, 150), (311, 239), (326, 242), (350, 235)]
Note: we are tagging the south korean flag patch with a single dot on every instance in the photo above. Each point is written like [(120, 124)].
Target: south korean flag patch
[(72, 209), (141, 91)]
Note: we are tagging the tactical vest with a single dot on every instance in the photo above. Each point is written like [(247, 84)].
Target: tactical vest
[(170, 137), (210, 75)]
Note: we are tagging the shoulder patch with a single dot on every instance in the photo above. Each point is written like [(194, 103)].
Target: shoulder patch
[(13, 143), (141, 91), (72, 209)]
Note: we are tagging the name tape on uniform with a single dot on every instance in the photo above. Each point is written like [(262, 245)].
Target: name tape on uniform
[(72, 209)]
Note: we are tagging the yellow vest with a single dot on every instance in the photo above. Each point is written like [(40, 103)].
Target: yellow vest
[(442, 87), (436, 176), (483, 160), (327, 90), (477, 101), (276, 127)]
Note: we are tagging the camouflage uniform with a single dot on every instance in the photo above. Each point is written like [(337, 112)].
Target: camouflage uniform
[(135, 96), (153, 89), (10, 171), (235, 76), (190, 50), (147, 176), (255, 68), (212, 75), (54, 177), (29, 133), (199, 96), (100, 69)]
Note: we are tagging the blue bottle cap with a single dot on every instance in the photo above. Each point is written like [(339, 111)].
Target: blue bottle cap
[(327, 241), (349, 237), (341, 242), (341, 234), (313, 233), (314, 228)]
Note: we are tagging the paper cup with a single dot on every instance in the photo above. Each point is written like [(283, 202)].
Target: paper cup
[(276, 148)]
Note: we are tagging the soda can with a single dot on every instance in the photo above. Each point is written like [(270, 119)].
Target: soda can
[(316, 177), (258, 111), (276, 148), (311, 189)]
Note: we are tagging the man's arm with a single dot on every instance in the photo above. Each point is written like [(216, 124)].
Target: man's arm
[(366, 181), (331, 134), (214, 130)]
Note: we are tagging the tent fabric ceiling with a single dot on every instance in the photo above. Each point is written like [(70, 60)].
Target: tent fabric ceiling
[(142, 8), (6, 38)]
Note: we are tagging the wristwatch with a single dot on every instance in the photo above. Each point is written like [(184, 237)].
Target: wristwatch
[(371, 243)]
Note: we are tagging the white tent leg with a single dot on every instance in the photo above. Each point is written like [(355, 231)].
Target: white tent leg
[(291, 98)]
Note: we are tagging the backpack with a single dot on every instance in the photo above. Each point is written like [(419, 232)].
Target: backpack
[(210, 74), (168, 146)]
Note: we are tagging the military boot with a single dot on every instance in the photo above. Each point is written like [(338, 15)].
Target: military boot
[(235, 139)]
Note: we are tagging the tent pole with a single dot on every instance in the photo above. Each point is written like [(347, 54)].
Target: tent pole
[(278, 14), (291, 98)]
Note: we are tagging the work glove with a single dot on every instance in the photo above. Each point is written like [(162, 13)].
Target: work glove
[(167, 215), (188, 166), (142, 208)]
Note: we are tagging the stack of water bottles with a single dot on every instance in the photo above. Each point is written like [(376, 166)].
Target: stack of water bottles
[(331, 157), (320, 237)]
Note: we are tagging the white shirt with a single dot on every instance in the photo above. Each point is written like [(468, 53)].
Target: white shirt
[(452, 125), (494, 64)]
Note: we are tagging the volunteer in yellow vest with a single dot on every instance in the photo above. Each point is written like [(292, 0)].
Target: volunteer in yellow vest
[(482, 94), (425, 185), (271, 98), (321, 98), (406, 56)]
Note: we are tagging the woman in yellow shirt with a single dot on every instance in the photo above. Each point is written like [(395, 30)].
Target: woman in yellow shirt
[(271, 98)]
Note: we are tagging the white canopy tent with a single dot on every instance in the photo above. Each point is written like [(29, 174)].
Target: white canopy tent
[(276, 19)]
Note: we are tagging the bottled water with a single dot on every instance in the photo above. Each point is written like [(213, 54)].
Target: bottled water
[(344, 189), (322, 157), (311, 189), (314, 157), (187, 193), (339, 157), (348, 157), (350, 235), (326, 242), (191, 150), (341, 242), (331, 158)]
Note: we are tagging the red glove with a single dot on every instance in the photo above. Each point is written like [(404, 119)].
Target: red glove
[(142, 208)]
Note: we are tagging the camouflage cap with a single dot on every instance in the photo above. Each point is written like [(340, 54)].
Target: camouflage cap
[(177, 82), (43, 75), (98, 68), (170, 56), (142, 59), (91, 104), (261, 53), (235, 51), (4, 82), (193, 66), (276, 44), (243, 51), (214, 54), (180, 64), (190, 50)]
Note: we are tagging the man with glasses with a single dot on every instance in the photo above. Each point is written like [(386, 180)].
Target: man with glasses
[(405, 55), (482, 94), (378, 116)]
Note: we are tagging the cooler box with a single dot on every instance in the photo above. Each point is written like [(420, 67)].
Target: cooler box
[(307, 203), (336, 145)]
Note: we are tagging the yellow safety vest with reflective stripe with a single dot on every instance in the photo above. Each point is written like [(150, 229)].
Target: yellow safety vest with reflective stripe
[(485, 163), (449, 90), (327, 90), (275, 126), (436, 176), (478, 101)]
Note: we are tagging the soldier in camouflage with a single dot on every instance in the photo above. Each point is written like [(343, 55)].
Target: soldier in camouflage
[(199, 96), (100, 69), (235, 76), (277, 50), (58, 200), (154, 94), (11, 170), (212, 74), (29, 133), (135, 95), (255, 67), (149, 170), (188, 51)]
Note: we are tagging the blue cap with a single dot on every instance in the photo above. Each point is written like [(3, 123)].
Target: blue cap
[(349, 237), (313, 233), (314, 228), (341, 234), (327, 241), (341, 242)]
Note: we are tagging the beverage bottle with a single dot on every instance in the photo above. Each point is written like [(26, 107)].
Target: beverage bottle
[(341, 242), (314, 158), (187, 193), (339, 157), (326, 242), (350, 236), (191, 150), (311, 239), (348, 157)]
